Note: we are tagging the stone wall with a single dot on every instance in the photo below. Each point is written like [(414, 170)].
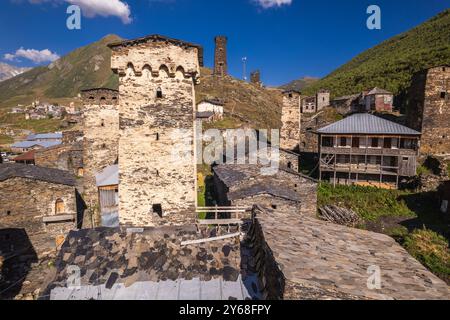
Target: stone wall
[(290, 118), (157, 168), (72, 136), (322, 99), (220, 56), (428, 110), (309, 259), (289, 160), (101, 140), (68, 157), (24, 204)]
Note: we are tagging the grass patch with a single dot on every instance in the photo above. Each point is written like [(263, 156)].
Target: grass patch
[(370, 203), (432, 250), (422, 170), (4, 139), (17, 121)]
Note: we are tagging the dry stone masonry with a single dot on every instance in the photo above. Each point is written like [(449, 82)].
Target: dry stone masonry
[(220, 56), (157, 109), (429, 110), (101, 140)]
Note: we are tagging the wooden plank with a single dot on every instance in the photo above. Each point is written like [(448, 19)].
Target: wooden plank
[(219, 221), (59, 218), (199, 241)]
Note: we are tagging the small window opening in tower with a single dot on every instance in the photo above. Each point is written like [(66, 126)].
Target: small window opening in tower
[(159, 93), (290, 95), (289, 165), (102, 123), (443, 94), (157, 136)]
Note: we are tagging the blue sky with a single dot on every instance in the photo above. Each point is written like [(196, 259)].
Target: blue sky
[(285, 39)]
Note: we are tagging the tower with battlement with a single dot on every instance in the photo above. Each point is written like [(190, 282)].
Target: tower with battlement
[(157, 165), (255, 78), (322, 99), (220, 56)]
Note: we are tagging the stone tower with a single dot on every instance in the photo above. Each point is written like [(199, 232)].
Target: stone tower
[(255, 78), (428, 109), (220, 56), (100, 142), (157, 165), (290, 118), (322, 99)]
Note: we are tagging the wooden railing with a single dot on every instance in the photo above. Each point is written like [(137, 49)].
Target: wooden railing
[(369, 151), (223, 216)]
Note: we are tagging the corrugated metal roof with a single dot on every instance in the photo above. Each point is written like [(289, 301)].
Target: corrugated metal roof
[(181, 289), (108, 177), (364, 123), (29, 144), (56, 135)]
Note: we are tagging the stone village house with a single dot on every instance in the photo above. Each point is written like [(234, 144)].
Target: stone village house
[(41, 201)]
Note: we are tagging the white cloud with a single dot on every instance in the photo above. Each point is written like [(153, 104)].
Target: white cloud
[(104, 8), (266, 4), (37, 56), (93, 8)]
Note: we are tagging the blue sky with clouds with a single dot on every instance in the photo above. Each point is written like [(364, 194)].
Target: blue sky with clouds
[(286, 39)]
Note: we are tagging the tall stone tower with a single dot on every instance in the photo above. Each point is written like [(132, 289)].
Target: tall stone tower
[(428, 109), (157, 165), (290, 130), (255, 78), (322, 99), (220, 56), (100, 142)]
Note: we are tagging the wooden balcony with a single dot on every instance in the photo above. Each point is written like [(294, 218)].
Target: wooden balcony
[(359, 168), (368, 151)]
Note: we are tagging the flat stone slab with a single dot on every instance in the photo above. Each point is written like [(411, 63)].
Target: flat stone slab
[(336, 261)]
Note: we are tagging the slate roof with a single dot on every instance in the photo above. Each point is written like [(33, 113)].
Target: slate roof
[(17, 170), (271, 189), (364, 123), (108, 177), (29, 144), (205, 114), (150, 264), (216, 101)]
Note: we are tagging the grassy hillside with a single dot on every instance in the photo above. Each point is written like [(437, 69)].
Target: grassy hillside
[(391, 64), (83, 68), (248, 105), (300, 84)]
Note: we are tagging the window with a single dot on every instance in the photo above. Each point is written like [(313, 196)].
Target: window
[(289, 165), (290, 95), (157, 208), (443, 69), (355, 142), (8, 213), (374, 142), (103, 146), (159, 93), (274, 206), (59, 206), (102, 123), (157, 136), (327, 142), (443, 94), (343, 142), (387, 143)]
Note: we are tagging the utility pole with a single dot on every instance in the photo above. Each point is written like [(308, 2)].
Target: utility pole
[(244, 65)]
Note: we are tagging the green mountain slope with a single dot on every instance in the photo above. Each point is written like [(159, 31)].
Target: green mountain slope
[(300, 84), (391, 64), (86, 67)]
